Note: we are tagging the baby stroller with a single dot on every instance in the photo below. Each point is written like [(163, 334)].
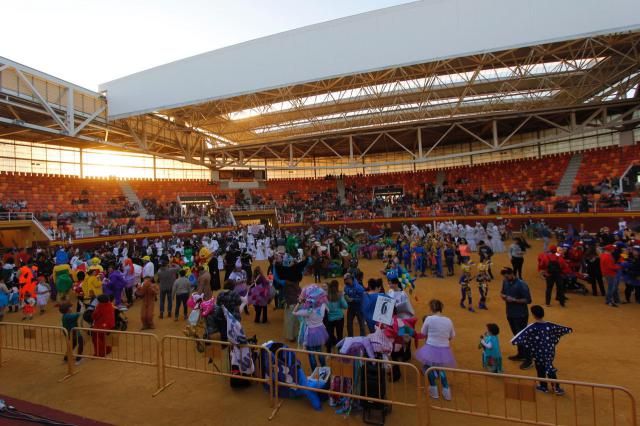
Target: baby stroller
[(122, 322)]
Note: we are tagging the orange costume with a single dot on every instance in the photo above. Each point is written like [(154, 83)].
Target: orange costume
[(148, 291), (26, 281)]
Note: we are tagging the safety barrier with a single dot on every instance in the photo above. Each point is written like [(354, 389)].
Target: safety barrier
[(123, 346), (210, 357), (515, 399), (42, 339), (406, 392)]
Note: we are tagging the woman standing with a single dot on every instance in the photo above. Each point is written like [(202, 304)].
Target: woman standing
[(336, 307), (516, 255), (436, 352), (259, 295)]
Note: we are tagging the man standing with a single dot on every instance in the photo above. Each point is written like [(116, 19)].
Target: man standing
[(353, 294), (609, 269), (516, 295), (553, 266), (166, 277), (148, 270)]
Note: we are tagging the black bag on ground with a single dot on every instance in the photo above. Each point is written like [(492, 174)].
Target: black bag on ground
[(374, 385)]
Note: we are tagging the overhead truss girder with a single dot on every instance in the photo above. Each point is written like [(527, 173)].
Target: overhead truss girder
[(493, 133)]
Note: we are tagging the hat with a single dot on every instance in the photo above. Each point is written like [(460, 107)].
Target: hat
[(552, 249), (344, 253), (507, 271), (323, 248), (147, 258), (609, 247), (347, 276)]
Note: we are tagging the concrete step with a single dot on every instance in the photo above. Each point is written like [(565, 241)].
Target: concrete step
[(565, 186)]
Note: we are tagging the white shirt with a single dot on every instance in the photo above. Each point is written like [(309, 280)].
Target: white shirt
[(148, 270), (439, 330)]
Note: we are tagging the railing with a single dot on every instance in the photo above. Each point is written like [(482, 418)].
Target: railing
[(9, 216), (211, 357), (405, 392), (13, 216), (514, 398), (123, 346), (40, 339)]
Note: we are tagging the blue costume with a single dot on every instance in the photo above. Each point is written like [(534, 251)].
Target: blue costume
[(406, 256), (419, 263)]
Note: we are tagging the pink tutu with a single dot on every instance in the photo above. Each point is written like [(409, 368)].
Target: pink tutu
[(435, 356), (316, 336)]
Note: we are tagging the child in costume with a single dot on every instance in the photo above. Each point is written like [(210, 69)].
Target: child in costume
[(28, 307), (43, 292), (406, 256), (490, 345), (483, 279), (465, 288), (313, 333), (540, 339)]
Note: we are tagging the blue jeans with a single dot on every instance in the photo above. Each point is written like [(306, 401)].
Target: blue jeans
[(433, 375), (312, 358), (612, 290)]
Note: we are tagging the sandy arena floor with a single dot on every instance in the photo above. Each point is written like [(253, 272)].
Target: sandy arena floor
[(602, 349)]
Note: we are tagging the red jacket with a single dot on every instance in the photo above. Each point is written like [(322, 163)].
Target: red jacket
[(608, 265), (545, 258)]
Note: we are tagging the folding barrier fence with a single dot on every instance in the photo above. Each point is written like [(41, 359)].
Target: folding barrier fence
[(213, 357), (397, 383), (122, 346), (513, 398), (35, 338)]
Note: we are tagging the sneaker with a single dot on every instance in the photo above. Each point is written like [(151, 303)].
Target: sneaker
[(175, 318), (527, 364), (559, 391), (446, 394), (515, 358), (542, 389), (161, 315), (433, 392), (471, 309), (462, 306), (79, 361)]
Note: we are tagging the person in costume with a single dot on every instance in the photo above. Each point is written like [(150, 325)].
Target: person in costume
[(436, 351), (148, 291), (95, 264), (540, 339), (369, 299), (313, 333), (92, 285), (490, 345), (259, 295), (483, 279), (26, 281), (115, 285), (103, 319), (465, 287), (406, 255), (419, 262), (43, 293), (28, 306), (62, 279), (239, 279)]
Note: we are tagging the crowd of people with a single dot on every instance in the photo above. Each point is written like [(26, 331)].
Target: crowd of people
[(216, 277)]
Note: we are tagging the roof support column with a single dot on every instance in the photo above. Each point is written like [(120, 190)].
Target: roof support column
[(419, 130), (494, 131), (351, 148), (70, 111)]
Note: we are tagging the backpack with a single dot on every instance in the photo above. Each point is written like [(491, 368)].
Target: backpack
[(553, 267)]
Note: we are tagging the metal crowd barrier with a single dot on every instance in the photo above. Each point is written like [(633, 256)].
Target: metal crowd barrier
[(123, 346), (406, 392), (210, 357), (514, 398), (36, 338)]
